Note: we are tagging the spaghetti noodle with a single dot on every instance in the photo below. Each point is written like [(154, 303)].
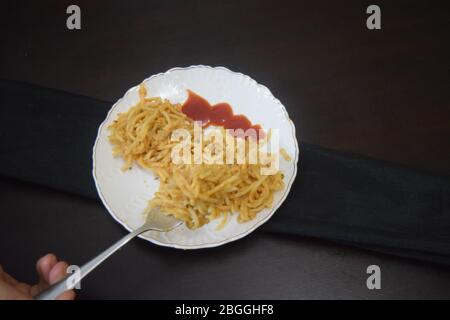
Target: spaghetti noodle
[(193, 193)]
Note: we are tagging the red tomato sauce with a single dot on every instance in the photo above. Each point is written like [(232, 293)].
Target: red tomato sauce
[(221, 114)]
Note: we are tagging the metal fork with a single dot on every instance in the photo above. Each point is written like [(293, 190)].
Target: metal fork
[(156, 221)]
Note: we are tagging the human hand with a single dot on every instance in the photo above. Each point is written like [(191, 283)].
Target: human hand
[(50, 271)]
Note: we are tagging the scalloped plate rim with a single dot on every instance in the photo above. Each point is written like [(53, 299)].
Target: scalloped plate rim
[(209, 244)]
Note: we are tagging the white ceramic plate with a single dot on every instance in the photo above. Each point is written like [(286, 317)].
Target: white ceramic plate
[(126, 194)]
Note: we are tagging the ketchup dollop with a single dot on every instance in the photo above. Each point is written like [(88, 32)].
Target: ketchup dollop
[(221, 114)]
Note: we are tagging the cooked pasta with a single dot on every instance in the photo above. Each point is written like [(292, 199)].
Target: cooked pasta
[(193, 193)]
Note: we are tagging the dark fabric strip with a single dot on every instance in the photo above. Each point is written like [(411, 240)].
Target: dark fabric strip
[(46, 137)]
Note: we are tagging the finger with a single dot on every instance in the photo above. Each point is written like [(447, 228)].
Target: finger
[(7, 278), (9, 293), (43, 267), (23, 288), (68, 295), (8, 288), (58, 272), (1, 273)]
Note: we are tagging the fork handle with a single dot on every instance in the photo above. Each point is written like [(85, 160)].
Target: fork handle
[(70, 281)]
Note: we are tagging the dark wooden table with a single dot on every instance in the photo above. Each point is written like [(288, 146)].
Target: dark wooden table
[(382, 93)]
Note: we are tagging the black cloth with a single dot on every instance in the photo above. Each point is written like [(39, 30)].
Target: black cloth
[(46, 137)]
